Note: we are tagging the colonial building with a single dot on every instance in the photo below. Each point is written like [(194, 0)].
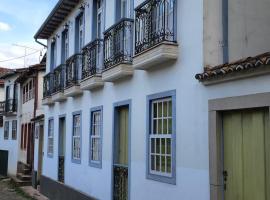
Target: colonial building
[(126, 119), (22, 103)]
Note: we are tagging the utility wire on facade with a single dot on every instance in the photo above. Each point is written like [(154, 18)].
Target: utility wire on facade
[(16, 58)]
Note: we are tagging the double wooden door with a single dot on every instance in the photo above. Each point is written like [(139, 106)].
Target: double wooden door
[(246, 155)]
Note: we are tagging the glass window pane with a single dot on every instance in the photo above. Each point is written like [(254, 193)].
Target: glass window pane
[(152, 145), (169, 165), (165, 109), (154, 126), (152, 162), (160, 126), (158, 163), (160, 109), (163, 163), (170, 108), (169, 126), (165, 126), (155, 110), (157, 145), (163, 146), (168, 150)]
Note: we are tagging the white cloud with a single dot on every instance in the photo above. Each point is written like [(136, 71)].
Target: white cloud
[(4, 26)]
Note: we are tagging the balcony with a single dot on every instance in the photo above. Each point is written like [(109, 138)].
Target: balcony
[(92, 65), (73, 76), (118, 51), (58, 83), (155, 34), (11, 107), (47, 89)]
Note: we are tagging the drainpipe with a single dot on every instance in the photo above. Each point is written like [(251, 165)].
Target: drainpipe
[(36, 40), (225, 27)]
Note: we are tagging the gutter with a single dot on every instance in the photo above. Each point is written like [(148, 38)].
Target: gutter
[(36, 40), (225, 30)]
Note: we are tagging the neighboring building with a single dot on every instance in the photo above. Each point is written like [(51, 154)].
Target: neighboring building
[(31, 109), (10, 140), (125, 117), (3, 147), (22, 103)]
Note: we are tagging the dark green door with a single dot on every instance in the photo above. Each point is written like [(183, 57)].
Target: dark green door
[(3, 163), (246, 155)]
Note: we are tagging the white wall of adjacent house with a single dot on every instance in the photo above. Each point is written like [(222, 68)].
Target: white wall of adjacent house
[(10, 145), (247, 33)]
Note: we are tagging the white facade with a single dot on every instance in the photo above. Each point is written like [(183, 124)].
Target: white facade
[(192, 144), (11, 145)]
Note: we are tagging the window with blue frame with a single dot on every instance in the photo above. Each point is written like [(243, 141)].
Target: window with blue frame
[(65, 46), (76, 138), (161, 137), (79, 30), (95, 137), (50, 137), (53, 55), (6, 130)]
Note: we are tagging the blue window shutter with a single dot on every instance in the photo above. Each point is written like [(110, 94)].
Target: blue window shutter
[(63, 48), (77, 34), (52, 56), (94, 22)]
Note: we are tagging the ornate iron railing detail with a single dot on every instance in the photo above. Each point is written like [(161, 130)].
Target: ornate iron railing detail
[(47, 85), (11, 105), (59, 78), (2, 107), (155, 23), (73, 69), (118, 43), (92, 58), (120, 183), (61, 169)]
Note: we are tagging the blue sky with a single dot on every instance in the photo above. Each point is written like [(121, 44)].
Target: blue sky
[(19, 21)]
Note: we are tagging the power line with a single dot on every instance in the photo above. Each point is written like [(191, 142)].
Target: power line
[(16, 58)]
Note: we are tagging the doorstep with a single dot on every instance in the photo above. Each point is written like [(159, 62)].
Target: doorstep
[(33, 193)]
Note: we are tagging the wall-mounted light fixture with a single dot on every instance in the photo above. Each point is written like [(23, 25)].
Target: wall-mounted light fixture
[(83, 5), (66, 25)]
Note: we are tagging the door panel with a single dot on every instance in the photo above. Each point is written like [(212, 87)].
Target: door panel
[(233, 156), (246, 155), (253, 155), (123, 136), (3, 163)]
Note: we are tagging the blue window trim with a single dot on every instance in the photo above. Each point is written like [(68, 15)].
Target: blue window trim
[(96, 164), (50, 155), (77, 161), (149, 99), (114, 116), (65, 32), (117, 16)]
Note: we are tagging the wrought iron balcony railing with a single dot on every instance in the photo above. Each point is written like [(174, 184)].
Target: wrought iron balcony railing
[(47, 85), (92, 58), (118, 43), (73, 70), (11, 105), (59, 78), (155, 23)]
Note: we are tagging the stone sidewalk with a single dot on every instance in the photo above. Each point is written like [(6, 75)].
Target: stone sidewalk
[(7, 192)]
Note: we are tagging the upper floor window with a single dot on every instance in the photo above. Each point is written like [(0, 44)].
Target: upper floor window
[(28, 91), (161, 137), (53, 55), (14, 130), (79, 33), (123, 9), (50, 137), (6, 130), (65, 46), (76, 138)]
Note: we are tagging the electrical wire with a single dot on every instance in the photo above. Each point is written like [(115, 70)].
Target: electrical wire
[(20, 57)]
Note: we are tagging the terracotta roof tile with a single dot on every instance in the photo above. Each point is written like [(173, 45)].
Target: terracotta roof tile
[(240, 65)]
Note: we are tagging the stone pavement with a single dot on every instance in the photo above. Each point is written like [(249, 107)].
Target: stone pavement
[(7, 192)]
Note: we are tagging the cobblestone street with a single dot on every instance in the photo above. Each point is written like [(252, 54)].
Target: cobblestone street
[(7, 192)]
